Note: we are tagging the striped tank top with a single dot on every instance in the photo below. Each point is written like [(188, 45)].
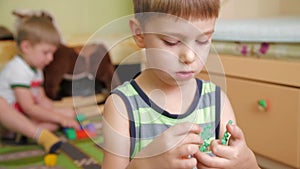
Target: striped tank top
[(148, 120)]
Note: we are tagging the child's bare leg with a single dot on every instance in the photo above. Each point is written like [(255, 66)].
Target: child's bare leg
[(65, 121), (48, 126), (17, 122)]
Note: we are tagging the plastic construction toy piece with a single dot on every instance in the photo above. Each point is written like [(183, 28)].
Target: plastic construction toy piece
[(204, 147), (80, 117), (226, 135), (80, 134), (91, 127), (70, 133), (50, 160), (87, 129)]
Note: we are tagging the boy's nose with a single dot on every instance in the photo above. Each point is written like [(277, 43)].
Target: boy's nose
[(50, 57), (187, 55)]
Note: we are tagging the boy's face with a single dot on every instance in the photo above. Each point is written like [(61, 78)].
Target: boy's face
[(177, 49), (38, 55)]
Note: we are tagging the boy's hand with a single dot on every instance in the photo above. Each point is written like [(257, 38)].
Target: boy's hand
[(67, 111), (68, 122), (236, 155), (172, 148)]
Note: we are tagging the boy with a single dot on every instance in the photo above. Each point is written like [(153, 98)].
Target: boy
[(17, 122), (156, 119), (21, 79)]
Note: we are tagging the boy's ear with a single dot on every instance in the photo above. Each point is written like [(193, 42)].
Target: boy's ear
[(137, 32), (25, 46)]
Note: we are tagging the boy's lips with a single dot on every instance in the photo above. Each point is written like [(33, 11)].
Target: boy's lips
[(185, 74)]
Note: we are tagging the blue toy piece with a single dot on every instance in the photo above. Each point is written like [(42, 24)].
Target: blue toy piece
[(91, 127)]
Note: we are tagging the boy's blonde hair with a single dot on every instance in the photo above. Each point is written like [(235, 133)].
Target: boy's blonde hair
[(187, 9), (36, 30)]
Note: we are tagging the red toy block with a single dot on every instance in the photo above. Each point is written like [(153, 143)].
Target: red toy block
[(81, 134)]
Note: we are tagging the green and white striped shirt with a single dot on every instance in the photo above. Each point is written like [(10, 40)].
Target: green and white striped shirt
[(147, 120)]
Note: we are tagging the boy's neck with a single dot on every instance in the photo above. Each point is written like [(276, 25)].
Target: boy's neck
[(149, 82), (165, 95), (24, 59)]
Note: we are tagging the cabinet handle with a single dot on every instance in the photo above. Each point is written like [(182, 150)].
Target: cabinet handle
[(264, 104)]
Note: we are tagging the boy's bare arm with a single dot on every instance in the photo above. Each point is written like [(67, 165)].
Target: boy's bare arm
[(116, 134), (227, 113), (29, 106), (44, 100)]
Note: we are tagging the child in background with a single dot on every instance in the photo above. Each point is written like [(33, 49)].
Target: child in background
[(156, 120), (17, 122), (21, 80)]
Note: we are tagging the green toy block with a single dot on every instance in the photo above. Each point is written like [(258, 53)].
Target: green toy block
[(70, 133), (80, 117)]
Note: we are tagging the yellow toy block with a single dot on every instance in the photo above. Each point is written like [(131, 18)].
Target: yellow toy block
[(50, 160)]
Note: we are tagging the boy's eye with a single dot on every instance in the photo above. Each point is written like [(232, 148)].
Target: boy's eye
[(48, 52), (171, 43), (202, 42)]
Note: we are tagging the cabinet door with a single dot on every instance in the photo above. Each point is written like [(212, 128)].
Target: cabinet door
[(274, 133)]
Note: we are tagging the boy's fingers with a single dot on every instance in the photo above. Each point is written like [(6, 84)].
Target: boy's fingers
[(187, 150), (202, 166), (236, 133), (185, 133), (192, 139), (210, 161), (77, 126), (221, 150), (187, 163), (184, 140)]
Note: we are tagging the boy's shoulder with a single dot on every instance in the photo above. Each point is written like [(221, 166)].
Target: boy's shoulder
[(16, 66), (123, 85), (126, 88), (14, 62)]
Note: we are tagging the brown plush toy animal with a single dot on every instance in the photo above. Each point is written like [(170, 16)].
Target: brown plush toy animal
[(70, 74), (73, 73)]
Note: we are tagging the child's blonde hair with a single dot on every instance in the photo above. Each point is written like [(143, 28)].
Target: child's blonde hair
[(36, 30), (187, 9)]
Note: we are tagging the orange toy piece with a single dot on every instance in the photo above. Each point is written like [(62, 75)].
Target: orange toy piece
[(50, 160)]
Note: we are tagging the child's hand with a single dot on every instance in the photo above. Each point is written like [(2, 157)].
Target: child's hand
[(236, 155), (69, 122), (67, 111), (173, 148)]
